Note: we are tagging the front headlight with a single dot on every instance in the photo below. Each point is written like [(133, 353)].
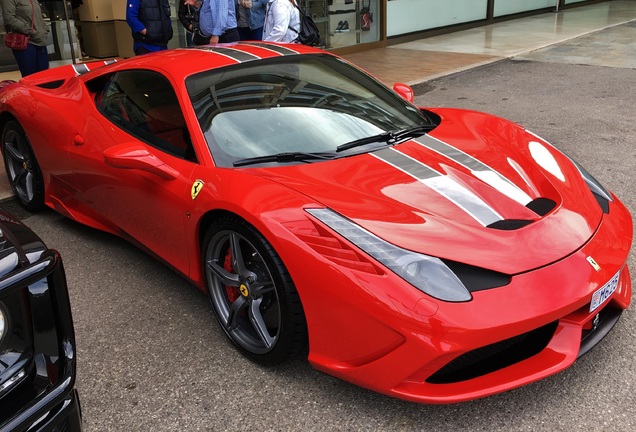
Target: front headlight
[(426, 273)]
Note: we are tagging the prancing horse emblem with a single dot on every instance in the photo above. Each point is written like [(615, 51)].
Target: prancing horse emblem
[(593, 263), (196, 188)]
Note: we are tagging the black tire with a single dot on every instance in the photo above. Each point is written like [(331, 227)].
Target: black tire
[(23, 171), (252, 294)]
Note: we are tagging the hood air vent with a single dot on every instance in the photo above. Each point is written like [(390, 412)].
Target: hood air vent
[(541, 206), (510, 224)]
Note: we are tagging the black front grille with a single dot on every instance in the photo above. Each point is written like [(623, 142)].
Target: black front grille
[(493, 357)]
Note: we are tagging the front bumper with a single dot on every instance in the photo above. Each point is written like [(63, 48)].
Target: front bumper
[(385, 336)]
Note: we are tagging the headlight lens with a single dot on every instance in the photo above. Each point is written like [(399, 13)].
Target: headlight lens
[(426, 273)]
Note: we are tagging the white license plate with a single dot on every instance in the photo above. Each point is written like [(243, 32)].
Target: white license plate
[(604, 292)]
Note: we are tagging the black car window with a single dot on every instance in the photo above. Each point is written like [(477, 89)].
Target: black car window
[(144, 104)]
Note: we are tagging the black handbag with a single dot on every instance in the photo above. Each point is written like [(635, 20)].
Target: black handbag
[(309, 33)]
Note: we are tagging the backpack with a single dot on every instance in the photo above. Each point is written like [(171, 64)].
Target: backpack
[(309, 33)]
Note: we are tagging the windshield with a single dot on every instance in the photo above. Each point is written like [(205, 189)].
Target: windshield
[(293, 104)]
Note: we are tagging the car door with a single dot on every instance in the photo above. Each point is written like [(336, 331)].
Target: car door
[(135, 164)]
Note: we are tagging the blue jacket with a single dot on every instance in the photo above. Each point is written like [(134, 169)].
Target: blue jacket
[(255, 15), (217, 16), (154, 16)]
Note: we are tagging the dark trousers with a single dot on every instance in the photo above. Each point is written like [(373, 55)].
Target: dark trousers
[(32, 59), (199, 39), (231, 35), (142, 50), (247, 34)]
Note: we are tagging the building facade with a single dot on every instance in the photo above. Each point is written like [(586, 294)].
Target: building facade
[(98, 29)]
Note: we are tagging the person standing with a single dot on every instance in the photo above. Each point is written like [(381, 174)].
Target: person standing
[(75, 5), (282, 21), (189, 18), (250, 17), (25, 16), (150, 23), (217, 21)]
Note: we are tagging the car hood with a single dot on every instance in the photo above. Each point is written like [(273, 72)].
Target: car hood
[(478, 190)]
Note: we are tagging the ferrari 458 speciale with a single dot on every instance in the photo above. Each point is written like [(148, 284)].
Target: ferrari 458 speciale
[(434, 255)]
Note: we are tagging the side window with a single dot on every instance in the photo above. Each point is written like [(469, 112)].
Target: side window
[(144, 104)]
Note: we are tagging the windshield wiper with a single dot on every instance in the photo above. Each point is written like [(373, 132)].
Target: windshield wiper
[(391, 137), (283, 157)]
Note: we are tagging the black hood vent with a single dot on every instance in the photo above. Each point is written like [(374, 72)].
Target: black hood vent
[(510, 224), (541, 206)]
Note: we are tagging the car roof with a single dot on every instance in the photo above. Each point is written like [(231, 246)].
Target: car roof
[(178, 63), (182, 62)]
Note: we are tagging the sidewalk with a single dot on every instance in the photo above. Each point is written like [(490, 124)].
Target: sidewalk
[(425, 59)]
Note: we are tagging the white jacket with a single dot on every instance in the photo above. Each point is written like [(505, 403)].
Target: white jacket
[(280, 15)]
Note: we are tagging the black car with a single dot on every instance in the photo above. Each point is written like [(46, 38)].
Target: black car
[(37, 340)]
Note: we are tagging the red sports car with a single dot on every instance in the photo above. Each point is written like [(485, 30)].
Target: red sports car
[(434, 255)]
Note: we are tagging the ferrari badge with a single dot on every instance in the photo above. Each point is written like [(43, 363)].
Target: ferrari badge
[(593, 263), (196, 188)]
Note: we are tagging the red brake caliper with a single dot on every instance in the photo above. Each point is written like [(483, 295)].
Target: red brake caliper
[(232, 292)]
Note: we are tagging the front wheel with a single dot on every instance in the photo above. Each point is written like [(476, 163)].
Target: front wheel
[(252, 293), (23, 171)]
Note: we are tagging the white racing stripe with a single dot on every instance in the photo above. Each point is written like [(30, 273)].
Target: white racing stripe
[(477, 168), (271, 47), (463, 198), (80, 68), (229, 52), (241, 56)]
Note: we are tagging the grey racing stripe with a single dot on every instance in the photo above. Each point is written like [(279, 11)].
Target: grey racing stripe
[(478, 168), (80, 68), (274, 48), (442, 184), (231, 53), (406, 164), (238, 55)]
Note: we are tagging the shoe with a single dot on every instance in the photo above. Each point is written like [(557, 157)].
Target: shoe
[(339, 27), (345, 26)]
